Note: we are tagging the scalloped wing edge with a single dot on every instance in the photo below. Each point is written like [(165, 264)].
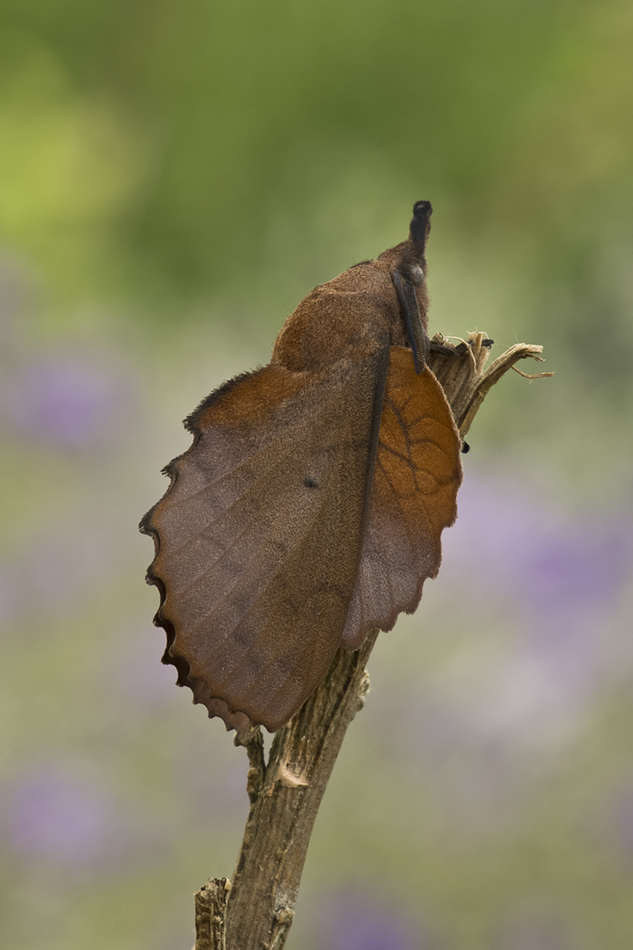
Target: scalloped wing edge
[(233, 718)]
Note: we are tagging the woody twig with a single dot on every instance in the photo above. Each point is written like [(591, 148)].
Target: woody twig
[(285, 792)]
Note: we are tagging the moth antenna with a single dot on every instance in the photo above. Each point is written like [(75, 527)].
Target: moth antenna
[(418, 337), (420, 224)]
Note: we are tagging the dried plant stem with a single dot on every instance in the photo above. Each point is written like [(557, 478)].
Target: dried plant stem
[(210, 912), (286, 792)]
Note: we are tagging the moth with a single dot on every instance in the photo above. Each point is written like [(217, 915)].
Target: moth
[(309, 508)]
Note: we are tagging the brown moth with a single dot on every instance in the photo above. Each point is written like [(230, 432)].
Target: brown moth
[(309, 508)]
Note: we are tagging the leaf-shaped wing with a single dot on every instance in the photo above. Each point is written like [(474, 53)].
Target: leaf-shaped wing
[(258, 539), (417, 474)]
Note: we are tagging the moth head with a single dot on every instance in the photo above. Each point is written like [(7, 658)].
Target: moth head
[(407, 265), (409, 256)]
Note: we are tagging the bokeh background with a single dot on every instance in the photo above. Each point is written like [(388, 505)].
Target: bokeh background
[(174, 177)]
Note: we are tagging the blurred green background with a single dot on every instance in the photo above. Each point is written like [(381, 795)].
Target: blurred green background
[(174, 178)]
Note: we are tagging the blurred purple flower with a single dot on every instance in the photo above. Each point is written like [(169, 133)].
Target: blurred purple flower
[(68, 400), (505, 537), (564, 575), (351, 921), (52, 817), (553, 581)]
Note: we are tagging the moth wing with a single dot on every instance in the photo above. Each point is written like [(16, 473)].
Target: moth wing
[(258, 538), (417, 474)]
